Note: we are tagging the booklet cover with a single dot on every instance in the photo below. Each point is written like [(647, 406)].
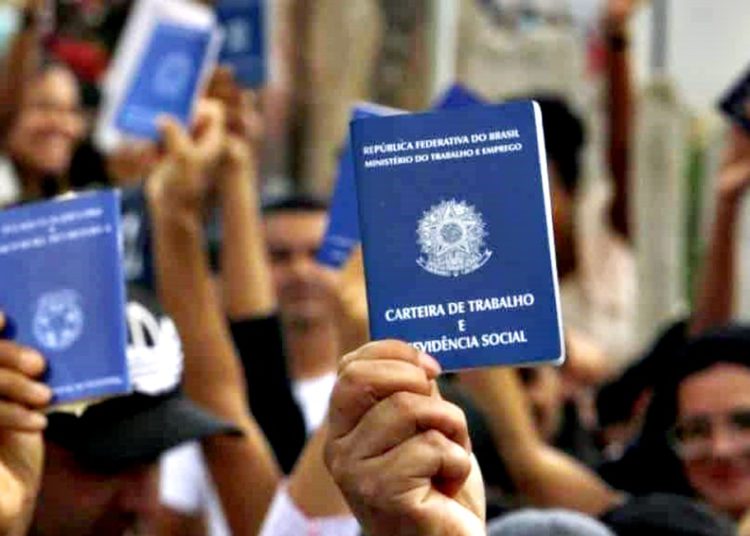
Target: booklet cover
[(456, 227), (245, 39), (63, 291), (166, 81), (164, 55), (342, 233), (457, 96)]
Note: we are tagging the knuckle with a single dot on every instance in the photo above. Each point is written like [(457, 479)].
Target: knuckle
[(403, 405), (434, 439)]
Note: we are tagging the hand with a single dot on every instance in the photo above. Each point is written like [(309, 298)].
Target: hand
[(734, 176), (400, 454), (244, 124), (180, 180), (21, 426), (618, 14)]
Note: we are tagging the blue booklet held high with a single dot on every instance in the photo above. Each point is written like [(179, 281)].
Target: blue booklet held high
[(245, 39), (163, 58), (63, 291), (457, 233), (342, 233), (456, 96)]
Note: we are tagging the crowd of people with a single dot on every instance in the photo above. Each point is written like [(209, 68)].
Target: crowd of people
[(289, 421)]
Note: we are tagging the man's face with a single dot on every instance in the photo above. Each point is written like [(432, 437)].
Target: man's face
[(713, 431), (77, 502), (49, 124), (293, 239)]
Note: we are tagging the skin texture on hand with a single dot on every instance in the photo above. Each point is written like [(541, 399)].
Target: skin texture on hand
[(400, 454), (21, 426)]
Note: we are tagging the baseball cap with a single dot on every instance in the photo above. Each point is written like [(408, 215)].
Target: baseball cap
[(123, 431), (547, 523)]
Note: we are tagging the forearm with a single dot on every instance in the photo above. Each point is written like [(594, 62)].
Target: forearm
[(715, 295), (311, 486), (20, 65), (247, 284), (212, 376), (540, 472), (619, 114)]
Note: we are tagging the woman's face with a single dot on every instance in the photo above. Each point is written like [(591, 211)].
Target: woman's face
[(49, 124), (712, 435)]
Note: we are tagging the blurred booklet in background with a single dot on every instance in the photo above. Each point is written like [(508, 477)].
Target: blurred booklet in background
[(342, 233), (163, 58), (245, 49), (63, 291), (456, 228), (457, 96)]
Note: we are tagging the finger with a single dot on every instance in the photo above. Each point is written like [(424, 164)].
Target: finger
[(174, 137), (209, 128), (2, 322), (414, 465), (392, 349), (362, 384), (20, 358), (18, 388), (402, 416), (18, 418)]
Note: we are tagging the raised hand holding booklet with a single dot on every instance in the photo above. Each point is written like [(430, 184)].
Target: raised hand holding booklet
[(456, 228), (162, 60), (245, 24), (63, 291)]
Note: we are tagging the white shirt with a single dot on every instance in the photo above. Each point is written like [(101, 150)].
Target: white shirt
[(186, 487), (313, 396)]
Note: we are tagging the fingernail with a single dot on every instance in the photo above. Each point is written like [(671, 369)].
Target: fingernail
[(32, 362), (430, 364)]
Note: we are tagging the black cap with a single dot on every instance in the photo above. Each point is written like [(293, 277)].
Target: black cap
[(124, 431), (119, 432)]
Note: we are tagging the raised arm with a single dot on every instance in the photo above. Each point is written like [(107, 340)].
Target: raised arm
[(716, 293), (243, 468), (619, 107), (246, 275), (21, 63), (543, 474)]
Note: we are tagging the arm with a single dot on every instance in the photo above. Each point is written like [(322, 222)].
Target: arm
[(20, 65), (715, 296), (21, 424), (213, 377), (542, 473), (246, 275), (619, 108)]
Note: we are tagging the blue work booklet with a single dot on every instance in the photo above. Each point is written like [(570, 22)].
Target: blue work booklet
[(342, 233), (245, 39), (164, 55), (456, 227), (63, 291)]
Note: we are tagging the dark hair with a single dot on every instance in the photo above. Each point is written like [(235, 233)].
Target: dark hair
[(294, 203), (616, 400), (564, 137), (665, 474)]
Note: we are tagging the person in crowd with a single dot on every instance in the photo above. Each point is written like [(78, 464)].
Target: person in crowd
[(400, 453), (293, 228), (62, 474), (177, 193), (41, 121)]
